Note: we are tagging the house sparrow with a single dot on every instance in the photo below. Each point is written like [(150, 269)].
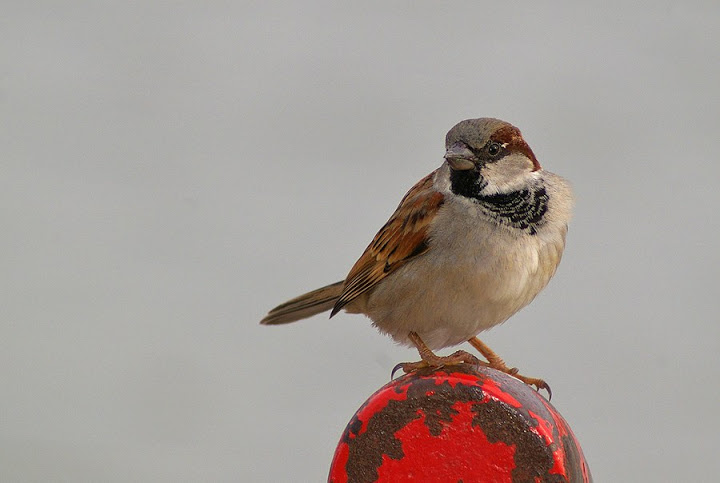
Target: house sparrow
[(469, 245)]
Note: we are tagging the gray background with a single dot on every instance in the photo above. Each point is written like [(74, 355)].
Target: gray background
[(170, 171)]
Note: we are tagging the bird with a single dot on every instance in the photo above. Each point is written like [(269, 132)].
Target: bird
[(468, 246)]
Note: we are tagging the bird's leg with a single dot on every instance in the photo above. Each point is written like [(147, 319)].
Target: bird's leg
[(496, 362), (430, 359)]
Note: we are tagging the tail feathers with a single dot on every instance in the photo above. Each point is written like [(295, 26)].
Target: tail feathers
[(305, 306)]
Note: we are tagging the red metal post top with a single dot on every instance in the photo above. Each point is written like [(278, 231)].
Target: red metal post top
[(458, 424)]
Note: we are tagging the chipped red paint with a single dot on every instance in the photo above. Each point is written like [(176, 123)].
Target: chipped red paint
[(423, 450), (453, 378), (376, 404), (545, 430), (458, 424), (493, 390), (570, 442), (340, 461)]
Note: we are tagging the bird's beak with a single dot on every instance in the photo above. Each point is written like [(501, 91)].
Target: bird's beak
[(459, 157)]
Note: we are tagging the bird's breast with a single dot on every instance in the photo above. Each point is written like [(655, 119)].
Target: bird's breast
[(475, 275)]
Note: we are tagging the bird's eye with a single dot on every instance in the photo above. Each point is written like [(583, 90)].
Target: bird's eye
[(494, 149)]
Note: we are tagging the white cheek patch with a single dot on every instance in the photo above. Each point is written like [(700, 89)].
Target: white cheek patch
[(511, 173)]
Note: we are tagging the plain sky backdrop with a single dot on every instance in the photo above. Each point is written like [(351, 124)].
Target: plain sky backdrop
[(169, 171)]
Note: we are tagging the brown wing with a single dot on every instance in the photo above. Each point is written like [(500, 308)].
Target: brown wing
[(403, 237)]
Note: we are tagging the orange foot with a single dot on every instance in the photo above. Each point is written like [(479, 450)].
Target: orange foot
[(432, 360), (496, 362)]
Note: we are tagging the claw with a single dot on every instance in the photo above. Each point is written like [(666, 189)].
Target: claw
[(545, 386), (538, 384), (397, 367)]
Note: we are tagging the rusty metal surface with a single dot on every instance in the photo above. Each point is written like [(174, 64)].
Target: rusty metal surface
[(458, 424)]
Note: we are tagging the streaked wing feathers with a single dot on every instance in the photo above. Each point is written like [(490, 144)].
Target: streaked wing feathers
[(403, 237)]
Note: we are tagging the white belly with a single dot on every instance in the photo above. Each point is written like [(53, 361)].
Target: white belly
[(475, 276)]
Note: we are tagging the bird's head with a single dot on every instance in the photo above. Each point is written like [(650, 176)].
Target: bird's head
[(488, 156)]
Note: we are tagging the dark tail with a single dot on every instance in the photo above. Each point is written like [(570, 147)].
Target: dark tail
[(305, 306)]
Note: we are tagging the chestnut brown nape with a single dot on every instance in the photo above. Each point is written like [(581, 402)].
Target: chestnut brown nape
[(511, 136)]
